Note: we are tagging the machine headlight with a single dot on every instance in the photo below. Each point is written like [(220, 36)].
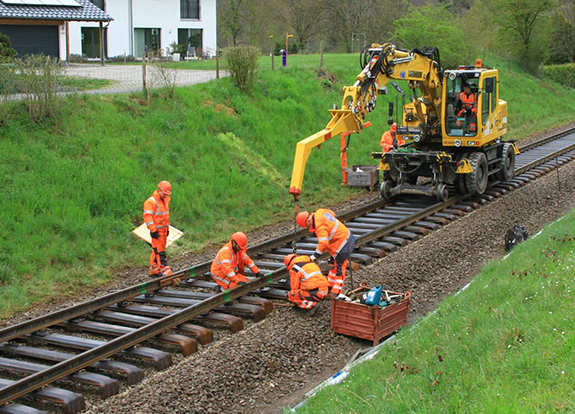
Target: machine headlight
[(452, 76), (417, 138), (457, 142)]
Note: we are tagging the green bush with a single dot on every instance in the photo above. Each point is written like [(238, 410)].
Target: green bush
[(5, 49), (242, 64), (76, 58), (562, 74)]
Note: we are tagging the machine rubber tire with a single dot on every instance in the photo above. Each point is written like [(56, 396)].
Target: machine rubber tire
[(507, 163), (442, 192), (476, 181), (385, 189)]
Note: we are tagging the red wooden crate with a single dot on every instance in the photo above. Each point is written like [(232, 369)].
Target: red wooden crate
[(368, 322)]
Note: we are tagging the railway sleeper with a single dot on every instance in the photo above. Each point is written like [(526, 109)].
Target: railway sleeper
[(404, 234), (131, 373), (266, 305), (256, 312), (107, 386), (234, 323), (427, 224), (71, 402), (388, 247), (417, 230), (160, 359), (20, 409), (371, 251), (202, 335), (186, 345)]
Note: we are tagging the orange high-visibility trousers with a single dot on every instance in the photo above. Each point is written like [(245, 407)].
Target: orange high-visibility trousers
[(306, 299)]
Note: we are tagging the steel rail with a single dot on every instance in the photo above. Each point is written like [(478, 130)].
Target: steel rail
[(546, 140), (62, 369)]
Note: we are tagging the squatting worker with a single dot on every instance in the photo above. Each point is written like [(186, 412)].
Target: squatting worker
[(157, 219), (333, 236), (308, 286), (387, 139), (228, 266)]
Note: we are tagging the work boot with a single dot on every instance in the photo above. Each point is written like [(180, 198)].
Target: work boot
[(166, 271), (150, 295), (155, 271)]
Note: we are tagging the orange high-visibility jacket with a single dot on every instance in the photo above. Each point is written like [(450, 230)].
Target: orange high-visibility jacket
[(227, 263), (468, 102), (306, 275), (387, 141), (157, 212), (330, 232)]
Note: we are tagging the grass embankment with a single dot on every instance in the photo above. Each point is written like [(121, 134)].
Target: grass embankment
[(504, 345), (74, 186)]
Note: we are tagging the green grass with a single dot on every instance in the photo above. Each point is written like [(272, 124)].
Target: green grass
[(74, 185), (504, 345), (83, 84)]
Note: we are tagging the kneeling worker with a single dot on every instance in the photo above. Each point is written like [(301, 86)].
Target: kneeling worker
[(308, 285), (228, 266), (333, 236)]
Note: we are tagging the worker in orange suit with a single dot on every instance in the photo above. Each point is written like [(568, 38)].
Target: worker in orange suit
[(308, 286), (467, 108), (335, 238), (228, 267), (387, 139), (157, 219)]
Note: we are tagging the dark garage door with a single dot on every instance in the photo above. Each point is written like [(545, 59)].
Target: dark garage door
[(32, 39)]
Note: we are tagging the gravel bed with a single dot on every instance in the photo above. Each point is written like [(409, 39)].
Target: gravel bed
[(271, 364)]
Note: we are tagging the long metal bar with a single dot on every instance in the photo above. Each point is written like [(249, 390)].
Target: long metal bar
[(35, 381)]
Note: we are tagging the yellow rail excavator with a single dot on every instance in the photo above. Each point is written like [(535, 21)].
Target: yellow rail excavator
[(450, 138)]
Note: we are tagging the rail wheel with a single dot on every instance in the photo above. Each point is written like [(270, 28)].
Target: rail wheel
[(507, 163), (476, 181), (442, 192), (385, 189)]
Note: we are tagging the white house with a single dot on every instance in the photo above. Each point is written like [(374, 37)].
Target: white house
[(152, 25)]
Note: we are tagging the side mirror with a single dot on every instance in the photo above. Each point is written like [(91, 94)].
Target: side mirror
[(489, 85)]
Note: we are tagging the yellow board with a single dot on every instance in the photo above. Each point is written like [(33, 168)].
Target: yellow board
[(143, 233)]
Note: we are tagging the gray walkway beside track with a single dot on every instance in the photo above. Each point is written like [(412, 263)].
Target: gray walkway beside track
[(129, 78)]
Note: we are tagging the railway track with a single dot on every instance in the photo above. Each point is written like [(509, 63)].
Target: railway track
[(39, 352)]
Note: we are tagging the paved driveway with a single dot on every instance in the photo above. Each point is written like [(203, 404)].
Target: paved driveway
[(128, 78)]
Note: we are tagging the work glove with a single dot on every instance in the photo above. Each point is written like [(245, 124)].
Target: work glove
[(312, 258), (260, 275), (168, 232), (242, 284), (287, 295), (155, 234)]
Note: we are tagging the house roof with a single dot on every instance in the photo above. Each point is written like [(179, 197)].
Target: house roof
[(87, 12)]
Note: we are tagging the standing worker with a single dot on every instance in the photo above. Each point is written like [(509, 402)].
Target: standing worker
[(228, 266), (332, 236), (308, 286), (157, 219), (387, 139)]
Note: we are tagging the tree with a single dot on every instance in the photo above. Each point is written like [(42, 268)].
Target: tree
[(522, 23), (434, 26), (6, 51), (562, 47)]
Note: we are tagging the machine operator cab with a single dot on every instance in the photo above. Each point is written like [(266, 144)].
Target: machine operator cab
[(474, 114)]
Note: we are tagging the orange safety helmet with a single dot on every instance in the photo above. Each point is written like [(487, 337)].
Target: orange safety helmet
[(288, 259), (165, 187), (301, 219), (241, 239)]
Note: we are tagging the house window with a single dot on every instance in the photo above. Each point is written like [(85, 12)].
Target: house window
[(99, 3), (192, 40), (190, 9), (146, 41), (91, 42)]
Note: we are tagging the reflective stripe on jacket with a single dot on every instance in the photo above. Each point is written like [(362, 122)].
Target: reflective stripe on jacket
[(157, 212), (306, 275), (227, 263), (330, 232), (468, 102)]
